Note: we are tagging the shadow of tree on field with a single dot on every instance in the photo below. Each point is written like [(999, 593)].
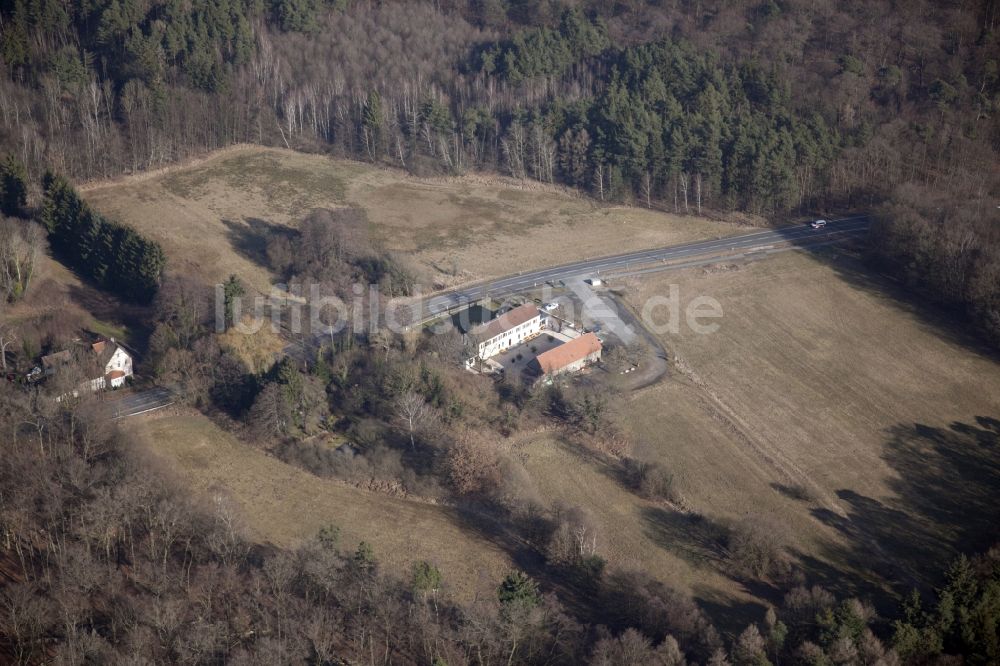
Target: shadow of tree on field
[(697, 540), (108, 308), (859, 583), (943, 501), (250, 237), (795, 492), (946, 492), (851, 262), (731, 616)]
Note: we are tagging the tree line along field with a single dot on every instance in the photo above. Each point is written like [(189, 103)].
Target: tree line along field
[(215, 217)]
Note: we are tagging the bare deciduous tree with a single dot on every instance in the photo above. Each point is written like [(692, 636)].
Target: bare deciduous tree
[(448, 346), (8, 337), (599, 177), (514, 150), (750, 647), (575, 536), (413, 414), (756, 547), (647, 188), (271, 414), (20, 244), (473, 463)]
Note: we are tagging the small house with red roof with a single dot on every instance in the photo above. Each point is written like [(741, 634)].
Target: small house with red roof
[(105, 356)]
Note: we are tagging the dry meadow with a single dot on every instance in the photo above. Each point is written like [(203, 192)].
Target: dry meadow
[(212, 216)]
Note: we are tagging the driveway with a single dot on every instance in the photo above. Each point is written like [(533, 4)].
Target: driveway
[(141, 402)]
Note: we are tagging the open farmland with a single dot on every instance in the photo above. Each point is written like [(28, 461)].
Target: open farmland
[(823, 407), (871, 432), (284, 505), (635, 533), (212, 216)]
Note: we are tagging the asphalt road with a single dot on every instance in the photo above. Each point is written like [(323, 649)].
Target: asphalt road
[(799, 235), (141, 402)]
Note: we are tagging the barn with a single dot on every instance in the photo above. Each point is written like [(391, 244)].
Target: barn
[(570, 357)]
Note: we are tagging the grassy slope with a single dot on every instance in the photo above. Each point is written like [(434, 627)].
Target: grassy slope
[(210, 216), (633, 533), (284, 505), (826, 382), (817, 379), (56, 290)]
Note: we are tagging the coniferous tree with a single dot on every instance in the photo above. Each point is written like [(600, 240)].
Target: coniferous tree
[(13, 187), (114, 256)]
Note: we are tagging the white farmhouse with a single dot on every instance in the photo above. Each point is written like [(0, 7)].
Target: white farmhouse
[(509, 329), (105, 357), (117, 364)]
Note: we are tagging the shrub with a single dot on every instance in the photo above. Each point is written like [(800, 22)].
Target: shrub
[(650, 480), (756, 548)]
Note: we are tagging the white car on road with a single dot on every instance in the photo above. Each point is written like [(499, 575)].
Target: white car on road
[(818, 224)]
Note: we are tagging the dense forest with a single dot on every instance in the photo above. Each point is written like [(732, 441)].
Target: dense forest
[(767, 107), (775, 108)]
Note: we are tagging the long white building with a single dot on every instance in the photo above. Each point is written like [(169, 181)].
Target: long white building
[(509, 329)]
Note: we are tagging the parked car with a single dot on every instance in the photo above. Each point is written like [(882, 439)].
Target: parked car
[(818, 224), (595, 282), (550, 307)]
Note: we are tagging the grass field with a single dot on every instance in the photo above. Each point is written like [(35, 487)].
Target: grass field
[(821, 383), (211, 216), (284, 505), (634, 533), (822, 404)]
